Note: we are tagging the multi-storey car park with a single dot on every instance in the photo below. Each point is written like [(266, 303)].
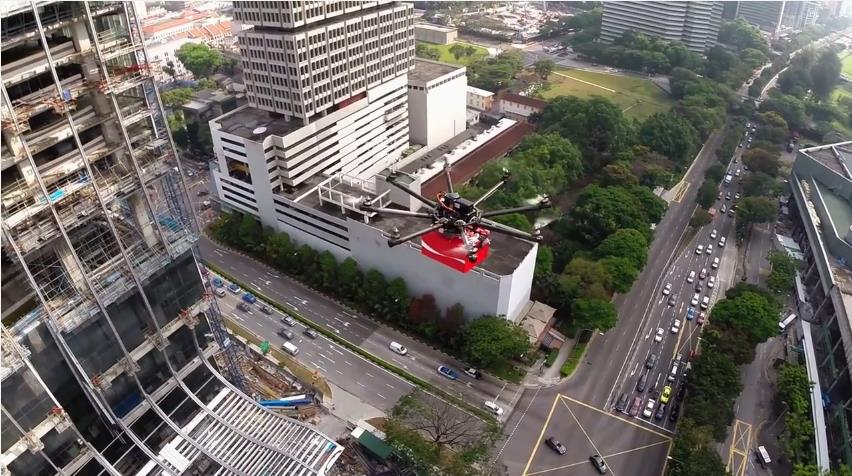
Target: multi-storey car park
[(110, 342), (329, 88)]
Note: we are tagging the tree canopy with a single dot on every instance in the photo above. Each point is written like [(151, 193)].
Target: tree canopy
[(491, 339), (625, 243), (670, 135), (601, 211), (597, 126), (753, 313), (760, 160), (493, 74), (199, 59), (593, 313)]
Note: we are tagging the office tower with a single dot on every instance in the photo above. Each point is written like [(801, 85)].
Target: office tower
[(696, 24), (765, 15), (109, 338), (800, 14)]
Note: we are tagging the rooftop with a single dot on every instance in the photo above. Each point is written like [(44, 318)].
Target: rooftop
[(432, 26), (208, 32), (245, 120), (187, 17), (525, 100), (427, 70), (837, 157), (478, 92)]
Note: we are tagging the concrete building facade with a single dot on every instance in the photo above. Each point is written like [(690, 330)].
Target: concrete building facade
[(479, 99), (437, 94), (113, 352), (696, 24), (821, 208), (437, 34)]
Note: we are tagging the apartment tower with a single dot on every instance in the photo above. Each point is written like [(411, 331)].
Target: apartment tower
[(696, 24), (111, 346)]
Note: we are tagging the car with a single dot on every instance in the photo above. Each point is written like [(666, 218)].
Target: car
[(202, 193), (723, 208), (675, 410), (722, 241), (741, 144), (310, 333), (719, 196), (713, 234), (265, 309), (398, 348), (286, 334), (249, 298), (699, 287), (621, 406), (288, 320), (690, 313), (642, 383), (711, 282), (731, 212), (709, 248), (700, 248), (448, 372), (472, 372), (649, 408), (555, 445), (667, 393), (737, 195), (234, 288), (703, 273), (672, 300), (676, 326), (695, 298), (493, 408), (673, 372), (651, 361), (217, 282), (702, 316), (659, 336), (705, 302), (715, 264), (243, 307), (661, 412), (667, 289), (690, 277), (728, 196), (635, 407), (598, 463)]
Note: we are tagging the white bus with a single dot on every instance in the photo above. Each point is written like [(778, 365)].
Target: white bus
[(786, 322)]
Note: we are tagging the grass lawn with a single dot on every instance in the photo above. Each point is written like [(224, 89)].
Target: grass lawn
[(842, 90), (637, 97), (847, 64), (447, 57)]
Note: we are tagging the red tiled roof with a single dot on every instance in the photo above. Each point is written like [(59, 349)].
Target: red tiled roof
[(525, 100), (187, 17), (208, 32)]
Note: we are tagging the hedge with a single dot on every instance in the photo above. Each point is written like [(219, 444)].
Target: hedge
[(573, 359), (356, 349)]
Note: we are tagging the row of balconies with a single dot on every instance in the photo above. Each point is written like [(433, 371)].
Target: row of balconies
[(37, 63)]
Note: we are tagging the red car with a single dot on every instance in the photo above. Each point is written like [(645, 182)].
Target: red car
[(637, 405), (702, 316)]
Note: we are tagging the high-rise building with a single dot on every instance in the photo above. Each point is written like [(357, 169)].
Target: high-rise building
[(696, 24), (111, 346), (770, 16), (800, 14), (328, 90)]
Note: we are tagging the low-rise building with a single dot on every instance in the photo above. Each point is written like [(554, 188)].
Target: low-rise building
[(479, 99), (518, 107), (436, 102), (206, 105), (438, 34)]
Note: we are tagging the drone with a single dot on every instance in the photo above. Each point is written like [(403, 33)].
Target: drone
[(460, 233)]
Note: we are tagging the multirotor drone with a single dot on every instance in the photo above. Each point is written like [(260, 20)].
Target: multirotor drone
[(460, 233)]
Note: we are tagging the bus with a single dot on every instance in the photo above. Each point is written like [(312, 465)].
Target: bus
[(786, 322), (286, 402)]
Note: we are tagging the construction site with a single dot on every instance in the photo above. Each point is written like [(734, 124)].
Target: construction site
[(115, 359)]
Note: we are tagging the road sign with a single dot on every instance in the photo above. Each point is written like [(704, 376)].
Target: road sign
[(264, 346)]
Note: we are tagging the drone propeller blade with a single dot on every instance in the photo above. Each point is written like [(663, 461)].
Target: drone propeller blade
[(393, 211), (494, 226), (398, 241)]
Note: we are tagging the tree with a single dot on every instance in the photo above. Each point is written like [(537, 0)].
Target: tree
[(251, 233), (373, 291), (826, 72), (693, 453), (715, 172), (327, 264), (783, 272), (791, 108), (759, 160), (199, 59), (395, 300), (178, 129), (493, 74), (544, 67), (600, 211), (700, 218), (278, 249), (176, 97), (423, 309), (169, 69), (584, 278), (205, 83), (742, 35), (594, 314), (758, 184), (625, 243), (622, 273), (349, 279), (618, 174), (423, 51), (515, 220), (755, 210), (670, 135), (491, 340), (597, 126), (750, 312), (457, 50), (707, 194), (551, 150), (773, 119)]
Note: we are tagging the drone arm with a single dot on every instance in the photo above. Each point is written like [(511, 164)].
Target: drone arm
[(494, 226), (529, 208), (448, 176), (392, 180), (493, 189), (400, 240)]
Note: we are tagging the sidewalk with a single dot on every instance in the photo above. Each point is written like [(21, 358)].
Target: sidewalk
[(549, 376)]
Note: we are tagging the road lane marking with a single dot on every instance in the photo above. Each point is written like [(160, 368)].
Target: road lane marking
[(585, 461), (368, 374), (347, 362), (326, 358), (541, 435), (588, 438), (389, 385), (379, 394), (341, 373), (361, 384), (617, 417)]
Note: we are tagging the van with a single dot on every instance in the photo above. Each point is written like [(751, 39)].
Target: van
[(737, 173), (219, 292), (290, 348), (786, 322), (398, 348), (762, 456)]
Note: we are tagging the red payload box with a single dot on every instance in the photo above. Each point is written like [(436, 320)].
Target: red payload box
[(449, 250)]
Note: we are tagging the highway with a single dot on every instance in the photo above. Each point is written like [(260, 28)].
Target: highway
[(421, 360)]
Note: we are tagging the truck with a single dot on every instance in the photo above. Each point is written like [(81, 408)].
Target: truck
[(728, 179)]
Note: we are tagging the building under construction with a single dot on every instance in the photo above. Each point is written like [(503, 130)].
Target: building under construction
[(109, 337)]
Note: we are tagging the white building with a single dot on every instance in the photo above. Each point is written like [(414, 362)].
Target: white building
[(479, 99), (440, 35), (518, 107), (694, 23), (436, 102), (327, 86)]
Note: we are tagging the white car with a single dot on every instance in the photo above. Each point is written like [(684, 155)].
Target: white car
[(713, 234), (705, 302), (709, 248), (722, 242), (667, 289), (695, 300), (715, 264), (703, 273), (649, 408), (711, 282), (690, 277), (494, 408), (676, 326), (699, 249), (659, 336)]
